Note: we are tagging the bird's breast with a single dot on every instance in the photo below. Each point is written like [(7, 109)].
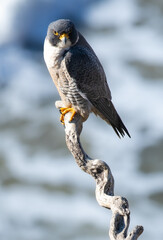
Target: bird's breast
[(53, 55)]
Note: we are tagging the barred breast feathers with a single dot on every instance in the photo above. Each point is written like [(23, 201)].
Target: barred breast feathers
[(69, 88)]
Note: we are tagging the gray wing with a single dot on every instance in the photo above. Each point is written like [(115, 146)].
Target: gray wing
[(84, 67), (87, 72)]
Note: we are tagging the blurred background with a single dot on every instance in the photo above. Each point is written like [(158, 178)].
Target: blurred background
[(43, 193)]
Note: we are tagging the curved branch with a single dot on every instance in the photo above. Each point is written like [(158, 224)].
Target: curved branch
[(101, 172)]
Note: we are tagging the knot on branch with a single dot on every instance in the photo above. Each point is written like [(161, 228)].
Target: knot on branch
[(120, 205), (101, 172)]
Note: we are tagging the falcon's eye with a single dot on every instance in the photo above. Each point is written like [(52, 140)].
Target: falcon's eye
[(55, 33)]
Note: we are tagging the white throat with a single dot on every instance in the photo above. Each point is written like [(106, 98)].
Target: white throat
[(54, 55)]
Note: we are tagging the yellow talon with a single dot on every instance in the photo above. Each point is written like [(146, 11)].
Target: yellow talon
[(66, 110)]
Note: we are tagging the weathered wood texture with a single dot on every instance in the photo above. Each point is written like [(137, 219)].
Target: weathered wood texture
[(101, 172)]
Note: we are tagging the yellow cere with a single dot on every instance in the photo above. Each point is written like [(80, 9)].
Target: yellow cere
[(64, 35)]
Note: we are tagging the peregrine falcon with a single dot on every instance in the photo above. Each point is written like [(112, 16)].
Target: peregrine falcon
[(79, 75)]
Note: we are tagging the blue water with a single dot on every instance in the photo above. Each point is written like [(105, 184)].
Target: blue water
[(43, 193)]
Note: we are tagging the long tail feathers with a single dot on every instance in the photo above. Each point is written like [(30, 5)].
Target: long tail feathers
[(106, 110)]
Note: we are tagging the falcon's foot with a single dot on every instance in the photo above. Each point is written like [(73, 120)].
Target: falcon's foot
[(65, 110)]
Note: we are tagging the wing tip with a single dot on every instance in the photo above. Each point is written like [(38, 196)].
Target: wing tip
[(121, 130), (106, 110)]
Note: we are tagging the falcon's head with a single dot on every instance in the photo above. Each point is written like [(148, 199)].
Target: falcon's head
[(62, 33)]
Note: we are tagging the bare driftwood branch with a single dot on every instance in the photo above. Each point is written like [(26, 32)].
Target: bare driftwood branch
[(101, 172)]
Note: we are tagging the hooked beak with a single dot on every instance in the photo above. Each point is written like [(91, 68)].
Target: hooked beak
[(64, 37)]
